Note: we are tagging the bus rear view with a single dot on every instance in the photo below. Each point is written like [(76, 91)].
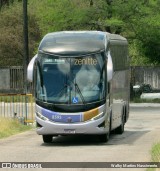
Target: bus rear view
[(71, 84)]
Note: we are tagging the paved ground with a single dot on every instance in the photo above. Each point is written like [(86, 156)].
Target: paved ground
[(141, 132)]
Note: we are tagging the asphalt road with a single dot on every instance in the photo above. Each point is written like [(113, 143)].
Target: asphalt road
[(141, 131)]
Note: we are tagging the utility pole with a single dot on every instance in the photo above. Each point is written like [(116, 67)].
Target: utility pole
[(26, 54), (26, 49)]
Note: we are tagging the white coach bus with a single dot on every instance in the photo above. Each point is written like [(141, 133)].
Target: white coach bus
[(81, 83)]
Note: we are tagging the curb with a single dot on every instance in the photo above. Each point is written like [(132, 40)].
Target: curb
[(144, 104)]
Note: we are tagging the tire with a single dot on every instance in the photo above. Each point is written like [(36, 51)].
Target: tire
[(104, 137), (120, 129), (47, 138)]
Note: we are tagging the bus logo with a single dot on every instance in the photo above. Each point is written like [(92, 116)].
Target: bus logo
[(69, 119), (6, 165)]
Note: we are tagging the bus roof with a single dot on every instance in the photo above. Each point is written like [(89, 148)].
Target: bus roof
[(76, 42)]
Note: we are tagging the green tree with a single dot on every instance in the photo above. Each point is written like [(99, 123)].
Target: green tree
[(149, 32), (59, 15), (138, 21), (7, 2), (11, 35)]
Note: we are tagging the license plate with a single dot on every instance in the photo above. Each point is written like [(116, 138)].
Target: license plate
[(69, 131)]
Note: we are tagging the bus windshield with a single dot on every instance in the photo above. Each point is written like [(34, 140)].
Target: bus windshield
[(71, 80)]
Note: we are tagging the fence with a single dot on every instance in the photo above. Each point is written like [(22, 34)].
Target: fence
[(20, 106), (13, 101), (12, 80)]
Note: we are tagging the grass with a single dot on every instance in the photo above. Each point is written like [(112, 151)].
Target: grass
[(138, 100), (155, 155), (155, 152), (14, 98), (9, 126)]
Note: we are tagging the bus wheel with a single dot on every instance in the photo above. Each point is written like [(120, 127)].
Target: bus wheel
[(47, 138), (120, 129), (104, 137)]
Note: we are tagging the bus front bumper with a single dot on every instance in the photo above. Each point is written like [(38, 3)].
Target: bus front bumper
[(90, 127)]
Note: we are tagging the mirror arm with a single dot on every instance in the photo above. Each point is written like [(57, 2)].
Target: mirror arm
[(30, 68), (109, 67)]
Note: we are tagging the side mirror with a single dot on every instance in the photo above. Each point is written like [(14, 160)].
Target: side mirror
[(109, 67), (30, 69)]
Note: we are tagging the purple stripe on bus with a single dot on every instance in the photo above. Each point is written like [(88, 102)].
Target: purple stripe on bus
[(57, 117)]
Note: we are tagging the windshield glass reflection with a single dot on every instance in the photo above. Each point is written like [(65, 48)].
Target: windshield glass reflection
[(67, 80)]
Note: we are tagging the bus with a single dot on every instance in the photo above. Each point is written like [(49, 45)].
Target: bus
[(81, 84)]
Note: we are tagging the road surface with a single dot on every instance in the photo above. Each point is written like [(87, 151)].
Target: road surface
[(141, 132)]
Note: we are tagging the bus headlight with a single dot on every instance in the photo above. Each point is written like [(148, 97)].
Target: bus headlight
[(41, 116), (98, 116)]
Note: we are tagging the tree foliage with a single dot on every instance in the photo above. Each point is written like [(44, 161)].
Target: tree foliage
[(7, 2), (11, 35), (138, 21)]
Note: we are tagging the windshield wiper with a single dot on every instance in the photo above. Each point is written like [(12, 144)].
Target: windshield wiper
[(62, 90), (79, 92)]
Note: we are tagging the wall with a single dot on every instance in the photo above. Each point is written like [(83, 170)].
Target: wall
[(12, 80), (146, 75), (4, 78)]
